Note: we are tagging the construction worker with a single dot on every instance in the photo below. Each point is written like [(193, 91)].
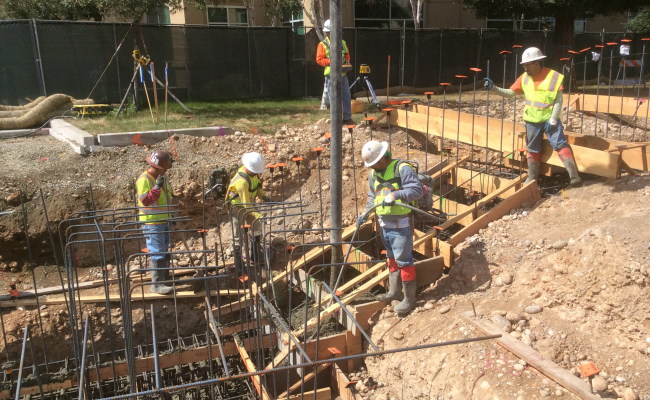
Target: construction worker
[(542, 88), (323, 59), (245, 187), (154, 193), (391, 183)]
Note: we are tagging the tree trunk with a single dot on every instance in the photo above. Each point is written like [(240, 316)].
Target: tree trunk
[(563, 37)]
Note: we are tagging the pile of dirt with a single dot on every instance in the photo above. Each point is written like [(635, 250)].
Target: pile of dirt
[(570, 277)]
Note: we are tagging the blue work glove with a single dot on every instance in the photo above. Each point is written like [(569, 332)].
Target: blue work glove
[(552, 125), (361, 219), (488, 84)]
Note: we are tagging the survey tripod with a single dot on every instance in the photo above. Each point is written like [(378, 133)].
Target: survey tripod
[(364, 81), (142, 61)]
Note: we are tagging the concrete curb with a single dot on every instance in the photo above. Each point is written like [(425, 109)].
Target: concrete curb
[(78, 139), (152, 137)]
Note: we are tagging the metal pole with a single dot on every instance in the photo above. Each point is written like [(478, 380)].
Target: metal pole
[(39, 60), (336, 144), (22, 363), (82, 369)]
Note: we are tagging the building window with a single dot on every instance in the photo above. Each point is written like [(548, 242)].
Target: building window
[(382, 14), (296, 22), (159, 16), (229, 16)]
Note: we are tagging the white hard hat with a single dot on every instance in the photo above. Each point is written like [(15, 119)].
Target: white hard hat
[(531, 54), (253, 162), (326, 26), (373, 151)]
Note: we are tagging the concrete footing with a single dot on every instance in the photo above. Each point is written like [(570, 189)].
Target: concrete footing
[(152, 137)]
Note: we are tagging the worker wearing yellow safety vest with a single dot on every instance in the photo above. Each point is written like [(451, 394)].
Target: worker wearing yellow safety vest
[(243, 190), (393, 182), (154, 195), (323, 59), (542, 88)]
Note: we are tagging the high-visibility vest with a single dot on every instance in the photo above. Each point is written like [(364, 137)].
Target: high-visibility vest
[(539, 101), (148, 214), (252, 185), (326, 44), (385, 182)]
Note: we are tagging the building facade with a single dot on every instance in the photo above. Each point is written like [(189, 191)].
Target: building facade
[(376, 13)]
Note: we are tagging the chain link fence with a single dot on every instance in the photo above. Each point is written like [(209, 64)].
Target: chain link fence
[(93, 59)]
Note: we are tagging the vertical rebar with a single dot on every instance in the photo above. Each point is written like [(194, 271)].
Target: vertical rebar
[(22, 363), (426, 141), (600, 64), (81, 372), (154, 336), (609, 87)]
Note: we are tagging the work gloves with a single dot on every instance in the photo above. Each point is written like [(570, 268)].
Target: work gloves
[(488, 84), (552, 126), (389, 200), (361, 219), (160, 182)]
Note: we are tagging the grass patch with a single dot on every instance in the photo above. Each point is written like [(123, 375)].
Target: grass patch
[(261, 116)]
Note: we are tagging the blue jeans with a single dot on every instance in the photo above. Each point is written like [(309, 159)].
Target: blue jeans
[(158, 238), (535, 133), (399, 244), (346, 97)]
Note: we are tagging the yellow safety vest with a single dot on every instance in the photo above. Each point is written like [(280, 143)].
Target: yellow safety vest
[(326, 44), (539, 101), (385, 182), (150, 215)]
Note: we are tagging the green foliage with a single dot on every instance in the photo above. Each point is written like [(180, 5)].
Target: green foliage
[(640, 23)]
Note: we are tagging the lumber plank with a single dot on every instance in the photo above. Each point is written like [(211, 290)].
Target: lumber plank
[(488, 132), (341, 382), (115, 297), (318, 394), (628, 106), (250, 367), (482, 182), (530, 192), (306, 379), (535, 359)]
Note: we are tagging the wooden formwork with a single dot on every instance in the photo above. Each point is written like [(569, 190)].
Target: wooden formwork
[(594, 155), (438, 256)]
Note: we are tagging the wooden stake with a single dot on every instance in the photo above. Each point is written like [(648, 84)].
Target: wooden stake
[(146, 92), (155, 90), (166, 87)]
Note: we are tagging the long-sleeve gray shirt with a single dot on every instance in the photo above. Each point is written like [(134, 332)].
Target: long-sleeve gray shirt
[(411, 191)]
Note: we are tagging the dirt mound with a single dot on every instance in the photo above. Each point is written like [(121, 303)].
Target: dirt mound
[(570, 277)]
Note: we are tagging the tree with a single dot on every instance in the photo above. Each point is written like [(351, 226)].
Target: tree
[(564, 11), (417, 6), (640, 23)]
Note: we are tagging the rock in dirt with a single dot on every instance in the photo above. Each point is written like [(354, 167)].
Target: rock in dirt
[(398, 335), (502, 323), (444, 309), (560, 244), (13, 199), (534, 309), (629, 394), (599, 384)]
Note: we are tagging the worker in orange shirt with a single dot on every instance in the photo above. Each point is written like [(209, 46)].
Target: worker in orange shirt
[(323, 59)]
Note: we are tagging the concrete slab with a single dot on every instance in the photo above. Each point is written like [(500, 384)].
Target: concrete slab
[(151, 137), (61, 128), (11, 133)]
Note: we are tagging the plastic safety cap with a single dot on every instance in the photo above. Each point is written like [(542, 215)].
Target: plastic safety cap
[(326, 26), (253, 162), (531, 54), (373, 151)]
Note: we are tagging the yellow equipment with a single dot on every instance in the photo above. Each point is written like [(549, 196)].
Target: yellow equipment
[(364, 69), (140, 59)]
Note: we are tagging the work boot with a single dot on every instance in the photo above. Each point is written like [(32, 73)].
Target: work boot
[(572, 169), (409, 302), (533, 171), (157, 276), (394, 288)]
